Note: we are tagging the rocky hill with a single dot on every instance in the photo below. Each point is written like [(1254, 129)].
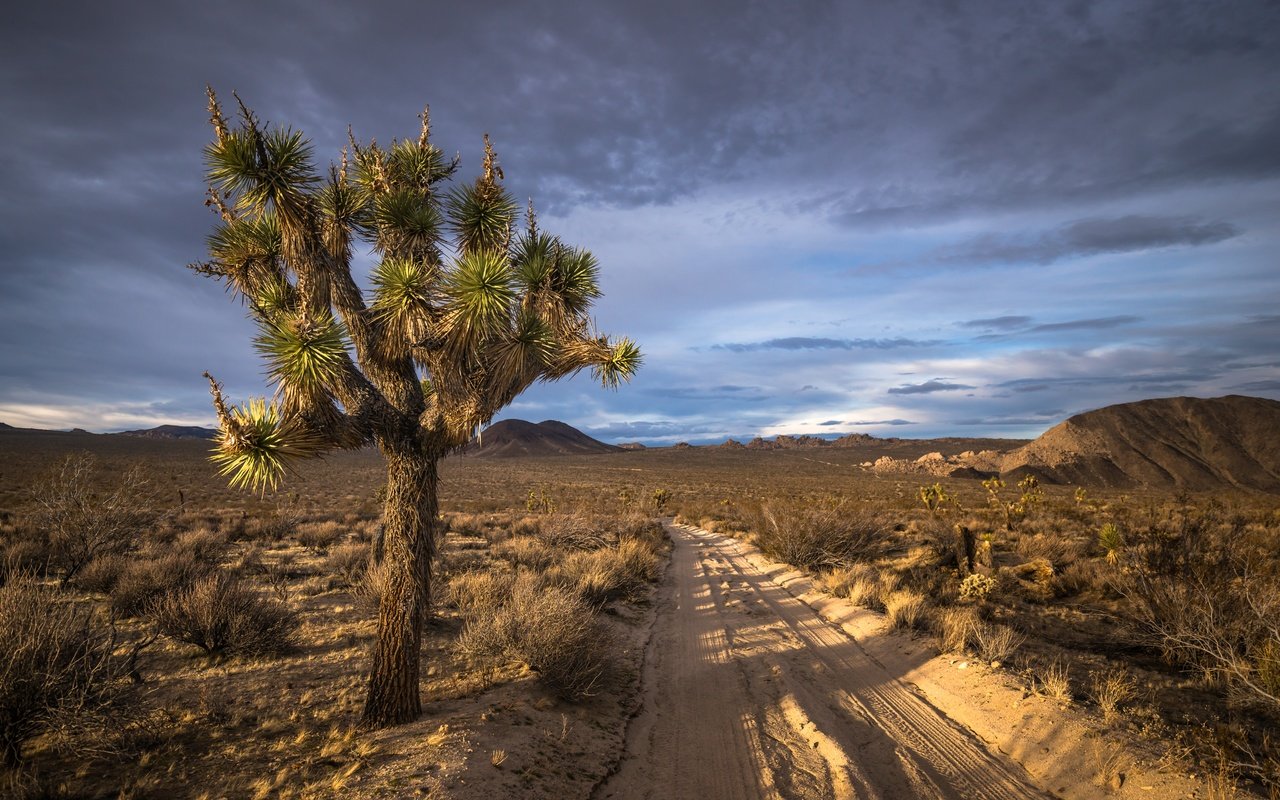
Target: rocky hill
[(174, 432), (1177, 442), (516, 437)]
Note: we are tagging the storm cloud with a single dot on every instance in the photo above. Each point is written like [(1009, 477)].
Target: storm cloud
[(779, 198)]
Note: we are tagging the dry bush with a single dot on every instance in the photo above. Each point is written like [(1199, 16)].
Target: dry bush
[(83, 520), (479, 593), (905, 609), (860, 584), (26, 555), (1206, 592), (348, 562), (817, 536), (1059, 550), (526, 551), (318, 537), (641, 529), (956, 627), (549, 628), (568, 532), (612, 573), (1055, 682), (55, 659), (101, 574), (220, 615), (996, 643), (372, 584), (143, 582), (1110, 690), (204, 544)]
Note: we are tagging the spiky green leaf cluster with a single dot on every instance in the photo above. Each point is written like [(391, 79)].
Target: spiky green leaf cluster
[(248, 251), (479, 295), (621, 363), (261, 168), (304, 356), (481, 215), (258, 444)]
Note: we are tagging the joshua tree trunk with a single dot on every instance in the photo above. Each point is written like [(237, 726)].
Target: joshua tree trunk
[(409, 519)]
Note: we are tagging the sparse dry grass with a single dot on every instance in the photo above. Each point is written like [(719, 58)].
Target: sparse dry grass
[(1054, 584)]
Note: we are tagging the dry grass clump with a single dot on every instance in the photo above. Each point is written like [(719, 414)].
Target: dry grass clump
[(996, 643), (1111, 689), (204, 544), (348, 562), (568, 532), (528, 552), (956, 627), (819, 536), (548, 627), (318, 537), (101, 574), (612, 573), (144, 581), (222, 616), (55, 659), (905, 609), (1055, 682)]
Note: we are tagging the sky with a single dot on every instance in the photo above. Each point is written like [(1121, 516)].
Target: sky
[(915, 218)]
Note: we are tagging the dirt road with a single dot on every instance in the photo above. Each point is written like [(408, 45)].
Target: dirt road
[(749, 694)]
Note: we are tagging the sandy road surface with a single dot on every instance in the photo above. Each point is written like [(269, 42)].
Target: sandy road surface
[(749, 694)]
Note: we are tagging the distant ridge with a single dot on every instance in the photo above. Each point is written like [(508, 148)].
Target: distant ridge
[(1177, 442), (174, 432), (513, 438)]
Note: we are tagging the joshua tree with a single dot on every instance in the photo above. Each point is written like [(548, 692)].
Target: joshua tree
[(463, 316)]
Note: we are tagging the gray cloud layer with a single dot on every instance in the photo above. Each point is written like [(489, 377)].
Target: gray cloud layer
[(1114, 128)]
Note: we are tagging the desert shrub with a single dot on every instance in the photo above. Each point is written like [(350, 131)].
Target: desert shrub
[(905, 609), (642, 529), (549, 628), (1111, 689), (996, 643), (956, 626), (815, 536), (611, 573), (526, 551), (54, 659), (25, 555), (83, 520), (1055, 682), (859, 583), (318, 537), (567, 532), (1206, 593), (479, 592), (373, 582), (348, 562), (220, 615), (144, 581), (204, 544), (100, 575)]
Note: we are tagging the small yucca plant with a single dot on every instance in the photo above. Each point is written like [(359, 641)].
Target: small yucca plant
[(1111, 541)]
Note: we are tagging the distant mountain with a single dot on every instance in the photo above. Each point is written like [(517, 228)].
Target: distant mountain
[(513, 438), (1177, 442), (174, 432)]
